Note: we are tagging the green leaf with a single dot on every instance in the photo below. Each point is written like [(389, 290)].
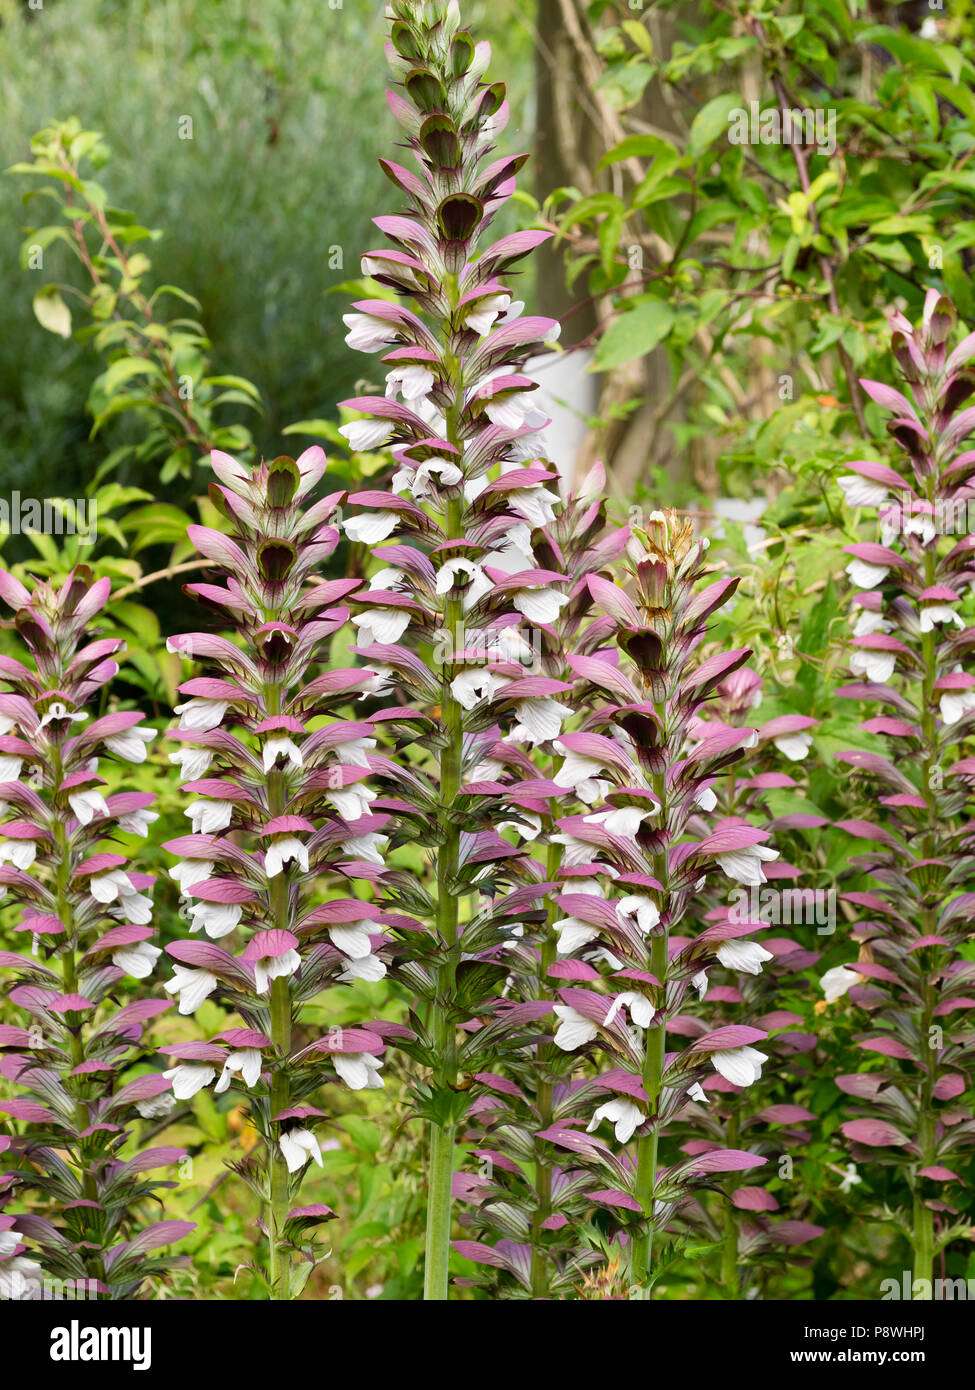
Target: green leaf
[(639, 35), (51, 311), (711, 121), (124, 369), (634, 333)]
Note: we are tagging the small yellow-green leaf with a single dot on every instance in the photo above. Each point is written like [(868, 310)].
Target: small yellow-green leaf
[(51, 311)]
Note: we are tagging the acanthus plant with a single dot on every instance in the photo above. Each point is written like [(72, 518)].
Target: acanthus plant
[(524, 1197), (78, 1061), (628, 878), (464, 611), (912, 651), (746, 985), (280, 817)]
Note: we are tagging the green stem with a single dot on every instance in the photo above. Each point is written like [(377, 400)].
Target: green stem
[(543, 1171), (441, 1163), (279, 1268), (729, 1252), (440, 1177), (648, 1148), (279, 912)]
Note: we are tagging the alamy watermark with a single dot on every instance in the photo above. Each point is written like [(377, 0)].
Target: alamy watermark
[(50, 516), (789, 126)]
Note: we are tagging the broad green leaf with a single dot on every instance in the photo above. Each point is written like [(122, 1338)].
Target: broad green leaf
[(711, 122), (635, 333)]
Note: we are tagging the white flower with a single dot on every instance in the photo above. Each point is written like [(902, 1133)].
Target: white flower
[(385, 625), (20, 1278), (869, 622), (192, 986), (572, 934), (624, 821), (578, 853), (364, 435), (513, 554), (581, 774), (369, 968), (189, 872), (367, 849), (137, 822), (138, 961), (641, 1010), (216, 919), (201, 715), (391, 579), (359, 1070), (837, 981), (207, 816), (540, 605), (474, 684), (933, 613), (485, 311), (851, 1177), (87, 805), (155, 1107), (700, 983), (353, 937), (351, 802), (368, 334), (510, 410), (864, 575), (528, 828), (61, 711), (746, 956), (459, 569), (876, 666), (794, 746), (268, 968), (132, 745), (297, 1147), (624, 1115), (696, 1092), (280, 746), (575, 1029), (745, 865), (410, 382), (189, 1077), (643, 908), (739, 1065), (20, 853), (281, 851), (705, 799), (861, 492), (421, 481), (110, 886), (245, 1063), (193, 763), (371, 527), (955, 704), (353, 752), (540, 719), (10, 768), (536, 504)]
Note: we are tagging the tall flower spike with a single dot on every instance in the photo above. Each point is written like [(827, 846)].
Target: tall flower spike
[(912, 647), (743, 983), (87, 914), (281, 811), (641, 864), (530, 1191), (453, 612)]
